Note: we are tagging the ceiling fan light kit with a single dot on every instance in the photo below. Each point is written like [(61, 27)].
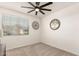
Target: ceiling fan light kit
[(37, 8)]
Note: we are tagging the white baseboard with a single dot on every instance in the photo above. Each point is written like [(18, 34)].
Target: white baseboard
[(75, 54), (21, 46)]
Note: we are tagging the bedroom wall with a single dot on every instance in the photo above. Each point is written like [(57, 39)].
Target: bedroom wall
[(67, 36), (18, 41), (0, 28)]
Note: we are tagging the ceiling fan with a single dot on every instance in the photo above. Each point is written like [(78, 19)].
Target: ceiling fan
[(37, 8)]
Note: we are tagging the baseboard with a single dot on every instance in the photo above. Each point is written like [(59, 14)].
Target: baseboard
[(59, 48), (22, 46), (48, 45)]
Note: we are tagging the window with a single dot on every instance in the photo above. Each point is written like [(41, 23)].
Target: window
[(14, 25)]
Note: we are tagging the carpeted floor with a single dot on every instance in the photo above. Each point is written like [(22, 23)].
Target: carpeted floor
[(38, 49)]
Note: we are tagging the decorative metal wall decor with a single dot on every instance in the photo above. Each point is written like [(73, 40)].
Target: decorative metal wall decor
[(54, 24), (35, 25)]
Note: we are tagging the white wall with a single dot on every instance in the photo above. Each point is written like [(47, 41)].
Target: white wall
[(0, 28), (18, 41), (67, 36)]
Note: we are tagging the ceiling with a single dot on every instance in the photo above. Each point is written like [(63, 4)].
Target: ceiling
[(56, 6)]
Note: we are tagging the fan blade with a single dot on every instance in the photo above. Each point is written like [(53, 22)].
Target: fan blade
[(31, 4), (42, 12), (46, 9), (30, 11), (46, 4), (37, 3), (27, 7), (36, 13)]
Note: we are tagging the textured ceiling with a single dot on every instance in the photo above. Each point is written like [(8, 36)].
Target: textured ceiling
[(56, 6)]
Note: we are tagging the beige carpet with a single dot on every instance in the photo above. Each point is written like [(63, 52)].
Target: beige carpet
[(38, 49)]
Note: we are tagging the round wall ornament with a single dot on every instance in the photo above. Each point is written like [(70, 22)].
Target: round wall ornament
[(35, 25), (54, 24)]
